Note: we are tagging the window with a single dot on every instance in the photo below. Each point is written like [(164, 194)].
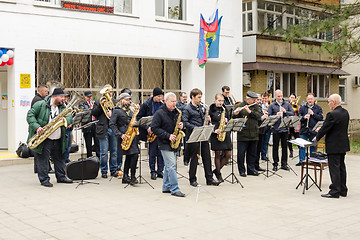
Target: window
[(247, 17), (319, 84), (170, 9), (286, 82), (342, 89)]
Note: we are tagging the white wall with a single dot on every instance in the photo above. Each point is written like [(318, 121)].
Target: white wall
[(35, 28)]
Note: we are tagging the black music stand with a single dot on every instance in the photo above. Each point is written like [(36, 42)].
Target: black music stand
[(303, 143), (234, 125), (286, 123), (319, 124), (142, 122), (270, 121)]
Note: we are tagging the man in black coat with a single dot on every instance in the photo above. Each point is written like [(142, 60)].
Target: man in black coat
[(42, 92), (163, 125), (337, 144)]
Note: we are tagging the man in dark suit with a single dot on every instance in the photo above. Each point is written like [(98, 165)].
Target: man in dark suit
[(337, 144)]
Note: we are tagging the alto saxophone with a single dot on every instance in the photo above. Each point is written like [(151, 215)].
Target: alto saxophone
[(131, 132), (108, 105), (55, 123), (221, 136), (151, 137), (177, 132)]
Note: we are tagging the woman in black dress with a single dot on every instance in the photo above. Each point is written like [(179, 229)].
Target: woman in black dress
[(119, 122), (222, 149)]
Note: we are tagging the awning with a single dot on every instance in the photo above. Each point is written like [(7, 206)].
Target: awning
[(292, 68)]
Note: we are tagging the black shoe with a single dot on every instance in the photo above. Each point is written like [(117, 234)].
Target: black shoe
[(220, 179), (104, 175), (126, 179), (47, 184), (253, 173), (51, 171), (153, 176), (275, 168), (178, 194), (265, 158), (133, 181), (114, 174), (242, 174), (186, 163), (65, 180), (166, 191), (160, 175), (291, 155), (217, 175), (194, 184), (212, 182), (298, 164), (328, 195), (343, 194), (259, 169), (285, 168)]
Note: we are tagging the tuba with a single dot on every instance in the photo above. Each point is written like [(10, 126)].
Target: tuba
[(221, 136), (55, 123), (177, 132), (108, 105), (131, 131)]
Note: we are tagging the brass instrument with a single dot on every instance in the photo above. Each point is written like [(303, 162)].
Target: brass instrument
[(177, 132), (221, 136), (295, 105), (108, 105), (55, 123), (151, 137), (131, 131)]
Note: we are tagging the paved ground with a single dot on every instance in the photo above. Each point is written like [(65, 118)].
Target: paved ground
[(266, 208)]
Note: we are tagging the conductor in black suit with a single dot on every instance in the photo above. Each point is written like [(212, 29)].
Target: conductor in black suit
[(337, 144)]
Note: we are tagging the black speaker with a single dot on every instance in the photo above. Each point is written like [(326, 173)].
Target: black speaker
[(83, 169)]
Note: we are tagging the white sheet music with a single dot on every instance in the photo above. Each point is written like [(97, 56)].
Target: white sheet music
[(300, 142)]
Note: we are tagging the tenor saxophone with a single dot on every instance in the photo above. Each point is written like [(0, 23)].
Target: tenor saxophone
[(221, 136), (131, 132), (177, 132), (55, 123)]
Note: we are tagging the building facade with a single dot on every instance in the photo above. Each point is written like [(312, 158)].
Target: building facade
[(85, 44)]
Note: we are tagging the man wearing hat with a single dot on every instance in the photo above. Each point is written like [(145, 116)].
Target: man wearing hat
[(149, 108), (249, 135), (89, 132), (38, 116)]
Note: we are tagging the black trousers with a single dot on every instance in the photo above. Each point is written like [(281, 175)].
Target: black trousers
[(248, 147), (277, 137), (193, 149), (51, 148), (89, 136), (258, 150), (337, 171), (130, 163)]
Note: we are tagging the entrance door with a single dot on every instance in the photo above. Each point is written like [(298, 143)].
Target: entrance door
[(3, 110)]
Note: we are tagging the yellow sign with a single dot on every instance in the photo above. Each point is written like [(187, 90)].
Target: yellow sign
[(25, 80)]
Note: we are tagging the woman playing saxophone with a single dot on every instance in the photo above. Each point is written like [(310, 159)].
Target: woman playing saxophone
[(121, 121)]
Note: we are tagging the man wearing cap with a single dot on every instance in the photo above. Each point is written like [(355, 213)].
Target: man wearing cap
[(248, 137), (148, 108), (107, 139), (38, 116), (280, 108), (89, 132)]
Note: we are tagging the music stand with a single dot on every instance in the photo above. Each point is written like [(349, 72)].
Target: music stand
[(303, 143), (142, 122), (270, 121), (319, 124), (234, 125)]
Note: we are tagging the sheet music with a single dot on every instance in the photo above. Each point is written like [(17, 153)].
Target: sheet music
[(317, 125), (301, 142)]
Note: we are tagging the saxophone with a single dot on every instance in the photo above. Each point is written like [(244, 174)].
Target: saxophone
[(108, 105), (131, 131), (177, 132), (221, 136), (151, 137), (55, 123)]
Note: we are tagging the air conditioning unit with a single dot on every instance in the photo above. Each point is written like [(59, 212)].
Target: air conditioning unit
[(246, 79), (356, 81)]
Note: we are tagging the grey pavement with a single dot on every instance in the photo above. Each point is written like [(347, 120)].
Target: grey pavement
[(266, 208)]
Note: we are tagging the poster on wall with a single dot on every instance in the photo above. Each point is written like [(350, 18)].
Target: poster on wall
[(25, 101), (4, 102), (25, 80)]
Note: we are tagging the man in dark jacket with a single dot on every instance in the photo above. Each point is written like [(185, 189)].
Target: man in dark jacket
[(163, 125), (107, 139), (42, 92), (149, 108), (193, 115), (337, 144), (55, 145), (89, 132), (310, 114), (247, 138), (281, 108)]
